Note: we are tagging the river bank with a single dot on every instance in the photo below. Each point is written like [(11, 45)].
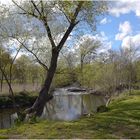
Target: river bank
[(121, 121), (22, 99)]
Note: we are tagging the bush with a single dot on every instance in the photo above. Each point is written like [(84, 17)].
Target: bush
[(102, 108)]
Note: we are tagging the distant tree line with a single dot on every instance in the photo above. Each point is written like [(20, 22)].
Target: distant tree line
[(109, 72)]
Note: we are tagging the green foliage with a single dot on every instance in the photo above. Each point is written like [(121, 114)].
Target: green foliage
[(3, 137), (138, 71), (87, 78), (109, 76), (90, 10), (97, 75), (21, 99), (5, 101), (64, 78), (33, 119), (5, 57), (18, 122)]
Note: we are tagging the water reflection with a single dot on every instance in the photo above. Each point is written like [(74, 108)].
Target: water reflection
[(7, 118), (71, 105)]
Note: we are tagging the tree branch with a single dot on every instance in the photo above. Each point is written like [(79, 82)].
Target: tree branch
[(73, 23), (64, 14), (24, 11), (49, 33), (77, 11), (38, 60), (36, 8), (11, 65), (42, 8)]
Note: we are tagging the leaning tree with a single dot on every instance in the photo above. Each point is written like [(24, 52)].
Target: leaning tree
[(72, 15)]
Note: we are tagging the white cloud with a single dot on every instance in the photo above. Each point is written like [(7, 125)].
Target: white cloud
[(106, 44), (126, 42), (124, 30), (124, 7), (19, 54), (105, 21), (6, 2), (131, 41)]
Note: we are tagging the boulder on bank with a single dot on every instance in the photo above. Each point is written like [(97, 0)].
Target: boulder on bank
[(76, 90)]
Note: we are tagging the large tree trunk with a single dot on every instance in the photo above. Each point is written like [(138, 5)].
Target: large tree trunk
[(44, 95)]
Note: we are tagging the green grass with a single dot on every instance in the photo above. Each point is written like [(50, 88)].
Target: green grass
[(121, 121)]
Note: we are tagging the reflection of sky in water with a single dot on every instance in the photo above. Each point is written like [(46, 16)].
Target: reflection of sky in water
[(71, 105)]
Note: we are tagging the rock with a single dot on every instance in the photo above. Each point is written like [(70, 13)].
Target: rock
[(76, 90)]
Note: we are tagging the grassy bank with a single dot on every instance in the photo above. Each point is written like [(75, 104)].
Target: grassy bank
[(121, 121)]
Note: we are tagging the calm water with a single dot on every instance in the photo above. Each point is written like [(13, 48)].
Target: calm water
[(71, 105), (64, 106), (7, 118)]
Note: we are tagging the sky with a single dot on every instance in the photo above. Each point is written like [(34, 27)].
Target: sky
[(120, 27)]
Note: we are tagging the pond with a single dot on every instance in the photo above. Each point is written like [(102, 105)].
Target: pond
[(65, 105)]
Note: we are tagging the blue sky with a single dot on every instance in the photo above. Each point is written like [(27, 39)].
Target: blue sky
[(120, 28), (122, 24)]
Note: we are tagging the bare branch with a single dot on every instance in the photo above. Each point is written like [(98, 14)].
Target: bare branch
[(16, 54), (38, 60), (73, 23), (24, 11), (42, 7), (77, 11), (64, 14), (49, 33), (44, 19), (36, 8)]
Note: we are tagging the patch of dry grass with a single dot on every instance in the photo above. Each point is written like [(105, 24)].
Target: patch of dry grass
[(20, 87)]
